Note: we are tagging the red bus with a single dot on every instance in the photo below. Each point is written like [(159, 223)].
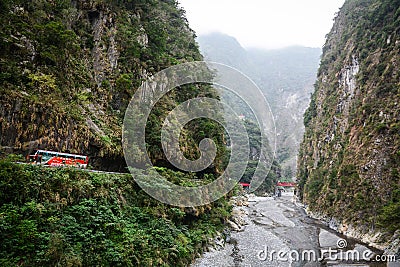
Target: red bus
[(51, 158)]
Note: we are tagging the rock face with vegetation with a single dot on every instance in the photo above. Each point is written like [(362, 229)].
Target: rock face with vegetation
[(69, 69), (348, 168)]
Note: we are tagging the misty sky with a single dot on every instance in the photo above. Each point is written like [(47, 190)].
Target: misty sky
[(264, 23)]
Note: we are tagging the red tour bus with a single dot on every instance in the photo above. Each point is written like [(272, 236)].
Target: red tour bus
[(51, 158)]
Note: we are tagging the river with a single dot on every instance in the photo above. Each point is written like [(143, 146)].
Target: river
[(278, 232)]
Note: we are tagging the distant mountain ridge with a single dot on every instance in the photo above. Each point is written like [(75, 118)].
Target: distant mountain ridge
[(286, 77)]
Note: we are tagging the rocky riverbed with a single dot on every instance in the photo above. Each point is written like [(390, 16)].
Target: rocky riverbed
[(277, 232)]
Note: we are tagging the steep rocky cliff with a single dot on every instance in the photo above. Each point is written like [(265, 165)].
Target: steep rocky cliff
[(349, 161), (70, 67)]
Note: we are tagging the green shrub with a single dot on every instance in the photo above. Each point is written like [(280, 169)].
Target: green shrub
[(70, 217), (389, 215)]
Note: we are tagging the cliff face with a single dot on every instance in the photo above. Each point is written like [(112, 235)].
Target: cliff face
[(69, 69), (349, 160)]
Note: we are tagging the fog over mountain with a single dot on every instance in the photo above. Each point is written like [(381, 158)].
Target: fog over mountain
[(286, 77)]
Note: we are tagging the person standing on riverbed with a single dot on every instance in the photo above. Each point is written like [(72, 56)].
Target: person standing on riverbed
[(278, 192), (294, 199)]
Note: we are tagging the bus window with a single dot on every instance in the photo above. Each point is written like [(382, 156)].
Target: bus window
[(46, 156)]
